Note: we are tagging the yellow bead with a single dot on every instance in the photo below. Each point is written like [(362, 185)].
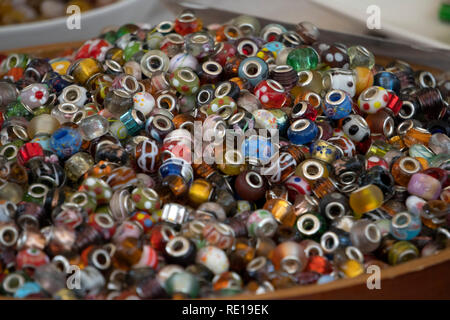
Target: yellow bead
[(233, 163), (352, 268), (365, 199), (200, 191)]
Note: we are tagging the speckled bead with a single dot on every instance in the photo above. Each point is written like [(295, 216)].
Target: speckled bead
[(214, 259), (337, 105), (65, 142), (144, 102), (302, 131)]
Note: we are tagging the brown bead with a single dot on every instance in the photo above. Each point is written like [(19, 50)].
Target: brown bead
[(250, 186)]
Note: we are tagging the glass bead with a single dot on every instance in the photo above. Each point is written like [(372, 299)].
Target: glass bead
[(401, 252), (253, 70), (416, 136), (360, 57), (187, 23), (405, 226), (403, 168), (185, 81), (303, 59), (365, 199), (199, 44), (424, 186)]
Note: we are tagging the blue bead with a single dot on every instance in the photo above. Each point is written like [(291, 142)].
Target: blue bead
[(133, 120), (387, 80), (302, 131), (27, 289), (177, 167), (65, 142), (258, 147), (337, 105), (254, 70), (405, 226)]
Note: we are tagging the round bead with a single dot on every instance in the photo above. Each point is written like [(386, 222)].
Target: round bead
[(254, 70), (185, 81), (424, 186), (65, 142), (337, 105), (303, 59), (271, 94), (373, 99), (302, 131), (214, 259), (144, 102)]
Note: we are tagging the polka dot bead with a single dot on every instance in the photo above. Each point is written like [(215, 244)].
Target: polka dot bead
[(98, 189), (144, 102), (335, 57), (146, 199), (271, 94), (185, 81), (297, 185), (144, 219), (373, 99), (219, 104)]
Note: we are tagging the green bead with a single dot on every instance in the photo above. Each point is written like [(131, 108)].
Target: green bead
[(419, 150), (184, 283), (402, 251), (17, 109), (311, 226), (125, 29), (132, 48), (110, 37), (444, 12), (303, 59), (185, 81), (360, 57)]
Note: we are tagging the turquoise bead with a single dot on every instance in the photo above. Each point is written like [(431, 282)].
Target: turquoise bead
[(303, 59), (419, 150)]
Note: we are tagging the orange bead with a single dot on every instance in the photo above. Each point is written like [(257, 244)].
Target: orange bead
[(416, 136), (403, 168), (364, 79)]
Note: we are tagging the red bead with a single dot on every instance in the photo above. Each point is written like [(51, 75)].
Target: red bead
[(394, 103), (103, 223), (271, 94), (31, 258), (374, 161), (319, 264), (224, 53), (187, 23), (437, 173), (29, 151)]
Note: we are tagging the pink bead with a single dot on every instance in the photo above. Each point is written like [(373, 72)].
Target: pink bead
[(424, 186)]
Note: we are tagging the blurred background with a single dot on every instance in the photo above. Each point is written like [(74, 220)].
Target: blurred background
[(37, 22)]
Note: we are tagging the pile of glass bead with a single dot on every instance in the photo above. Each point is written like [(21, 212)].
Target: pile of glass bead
[(343, 163)]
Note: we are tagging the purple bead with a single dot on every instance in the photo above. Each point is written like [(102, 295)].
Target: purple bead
[(424, 186)]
